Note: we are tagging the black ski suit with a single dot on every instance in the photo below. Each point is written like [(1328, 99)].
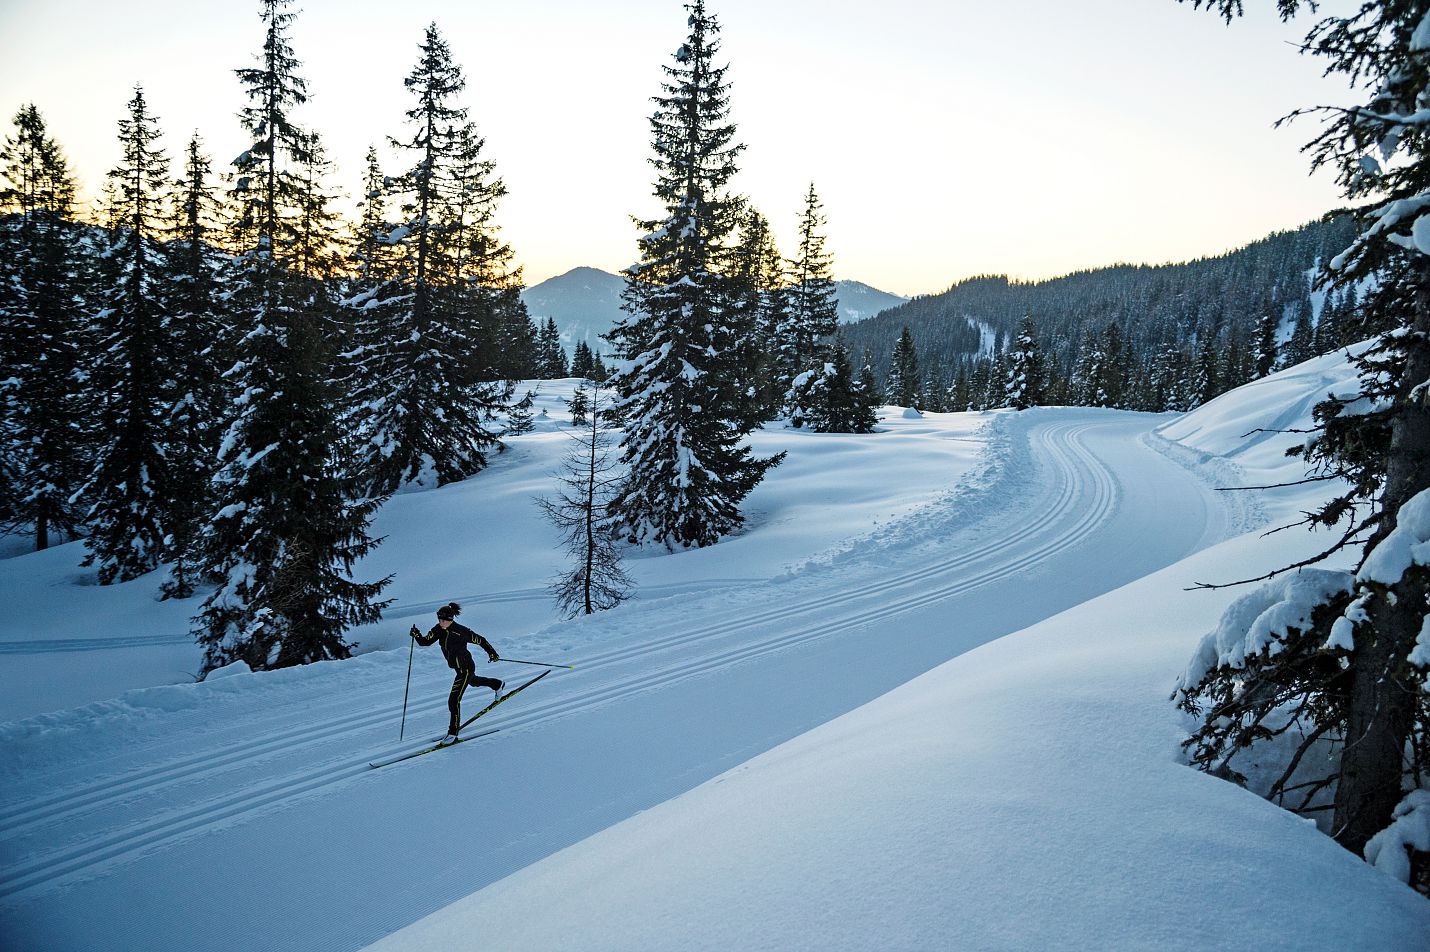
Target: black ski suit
[(454, 648)]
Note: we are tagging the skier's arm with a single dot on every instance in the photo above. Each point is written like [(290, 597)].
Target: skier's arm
[(425, 640), (485, 646)]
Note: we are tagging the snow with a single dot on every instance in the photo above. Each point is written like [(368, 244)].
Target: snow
[(1408, 544), (1387, 850), (919, 702), (1261, 620)]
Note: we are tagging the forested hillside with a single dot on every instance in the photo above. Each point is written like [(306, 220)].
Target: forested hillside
[(1154, 337)]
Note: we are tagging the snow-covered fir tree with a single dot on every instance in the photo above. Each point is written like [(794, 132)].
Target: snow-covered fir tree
[(580, 511), (687, 472), (503, 337), (45, 391), (1024, 385), (757, 313), (137, 370), (1347, 671), (902, 387), (551, 356), (1267, 351), (290, 522), (868, 383), (425, 326), (830, 399), (519, 416), (812, 310), (203, 350), (583, 362)]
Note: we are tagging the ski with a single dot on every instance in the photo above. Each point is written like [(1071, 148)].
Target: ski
[(428, 750), (502, 697), (436, 747)]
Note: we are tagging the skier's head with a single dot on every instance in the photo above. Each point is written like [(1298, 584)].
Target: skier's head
[(448, 611)]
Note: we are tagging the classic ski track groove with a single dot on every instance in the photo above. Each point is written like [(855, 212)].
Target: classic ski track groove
[(15, 819), (1067, 452)]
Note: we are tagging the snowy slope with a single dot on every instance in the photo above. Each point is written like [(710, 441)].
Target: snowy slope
[(66, 641), (1025, 795), (771, 746)]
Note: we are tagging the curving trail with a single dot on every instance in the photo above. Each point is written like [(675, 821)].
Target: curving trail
[(269, 801)]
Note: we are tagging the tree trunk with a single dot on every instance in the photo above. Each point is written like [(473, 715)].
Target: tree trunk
[(1382, 700)]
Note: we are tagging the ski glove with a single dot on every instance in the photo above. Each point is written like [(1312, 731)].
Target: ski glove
[(414, 633)]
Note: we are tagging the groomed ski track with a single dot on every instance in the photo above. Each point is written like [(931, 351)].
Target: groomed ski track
[(261, 798)]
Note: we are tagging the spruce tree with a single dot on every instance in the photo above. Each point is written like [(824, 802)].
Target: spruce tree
[(1110, 380), (290, 523), (1025, 383), (45, 393), (1352, 670), (758, 311), (500, 333), (687, 473), (203, 349), (812, 311), (137, 371), (583, 362), (868, 385), (1266, 348), (902, 388), (428, 346), (551, 358), (830, 399)]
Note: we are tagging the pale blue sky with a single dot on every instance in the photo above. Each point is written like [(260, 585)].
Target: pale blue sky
[(946, 138)]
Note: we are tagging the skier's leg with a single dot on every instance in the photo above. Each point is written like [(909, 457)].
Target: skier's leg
[(454, 700), (477, 681)]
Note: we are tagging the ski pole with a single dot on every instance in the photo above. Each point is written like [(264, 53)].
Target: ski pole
[(541, 663), (411, 646)]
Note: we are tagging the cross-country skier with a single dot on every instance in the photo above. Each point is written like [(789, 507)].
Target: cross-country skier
[(455, 638)]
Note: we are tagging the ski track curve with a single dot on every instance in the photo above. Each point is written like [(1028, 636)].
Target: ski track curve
[(1084, 492)]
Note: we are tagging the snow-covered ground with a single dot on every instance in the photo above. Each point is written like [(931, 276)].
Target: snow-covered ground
[(67, 641), (921, 703)]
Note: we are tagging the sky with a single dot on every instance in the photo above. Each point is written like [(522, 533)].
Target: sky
[(945, 139)]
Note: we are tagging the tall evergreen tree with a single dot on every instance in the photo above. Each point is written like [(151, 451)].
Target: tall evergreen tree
[(203, 348), (136, 372), (1353, 670), (687, 471), (502, 334), (291, 523), (551, 360), (583, 362), (812, 311), (902, 388), (428, 346), (1026, 379), (44, 387), (1266, 327), (1110, 381), (758, 312)]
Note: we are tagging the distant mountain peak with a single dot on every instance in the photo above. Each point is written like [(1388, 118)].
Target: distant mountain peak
[(586, 302)]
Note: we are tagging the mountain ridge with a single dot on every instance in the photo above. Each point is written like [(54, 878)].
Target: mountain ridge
[(585, 302)]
